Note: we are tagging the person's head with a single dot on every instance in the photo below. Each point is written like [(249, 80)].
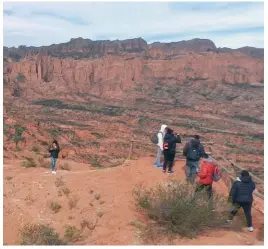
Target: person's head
[(163, 128), (206, 156), (169, 130), (196, 137), (244, 173), (55, 143)]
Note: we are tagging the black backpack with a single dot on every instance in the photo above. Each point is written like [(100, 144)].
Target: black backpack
[(155, 137), (193, 153)]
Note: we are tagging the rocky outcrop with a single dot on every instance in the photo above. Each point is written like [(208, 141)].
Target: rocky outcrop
[(79, 48)]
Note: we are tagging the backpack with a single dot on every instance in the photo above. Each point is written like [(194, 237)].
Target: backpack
[(217, 174), (155, 137), (193, 153)]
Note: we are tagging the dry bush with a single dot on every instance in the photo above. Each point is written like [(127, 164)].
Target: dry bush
[(65, 166), (178, 210), (55, 206), (72, 203), (72, 234), (29, 163), (97, 196), (59, 182), (88, 223), (64, 191), (44, 164), (100, 213), (40, 235)]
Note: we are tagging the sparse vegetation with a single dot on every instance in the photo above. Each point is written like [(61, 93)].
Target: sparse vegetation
[(64, 191), (65, 166), (88, 223), (59, 182), (40, 235), (98, 135), (249, 119), (44, 164), (35, 149), (29, 163), (72, 203), (95, 162), (18, 133), (20, 77), (173, 206), (97, 196), (72, 234), (55, 206), (8, 178), (100, 213), (17, 149)]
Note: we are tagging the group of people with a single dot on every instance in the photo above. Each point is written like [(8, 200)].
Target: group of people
[(241, 194)]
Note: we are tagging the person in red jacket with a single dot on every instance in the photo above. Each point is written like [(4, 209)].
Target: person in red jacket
[(206, 175)]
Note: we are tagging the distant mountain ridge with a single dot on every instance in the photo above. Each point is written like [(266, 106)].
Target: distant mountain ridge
[(87, 48)]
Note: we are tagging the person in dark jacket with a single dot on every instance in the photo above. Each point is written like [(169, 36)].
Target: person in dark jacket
[(241, 195), (54, 154), (169, 146), (193, 151)]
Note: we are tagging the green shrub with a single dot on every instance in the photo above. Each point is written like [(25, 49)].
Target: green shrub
[(20, 77), (40, 235), (100, 213), (173, 207)]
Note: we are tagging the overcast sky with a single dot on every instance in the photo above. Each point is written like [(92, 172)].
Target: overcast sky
[(234, 24)]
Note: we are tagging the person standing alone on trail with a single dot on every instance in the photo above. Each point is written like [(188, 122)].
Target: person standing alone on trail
[(54, 154), (169, 146), (193, 151), (206, 175), (241, 195), (159, 142)]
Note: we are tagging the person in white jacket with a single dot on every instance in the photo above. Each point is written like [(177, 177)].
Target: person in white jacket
[(160, 135)]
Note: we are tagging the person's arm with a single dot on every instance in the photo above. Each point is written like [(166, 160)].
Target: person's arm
[(160, 140), (185, 149), (50, 149), (233, 192), (201, 150), (178, 141)]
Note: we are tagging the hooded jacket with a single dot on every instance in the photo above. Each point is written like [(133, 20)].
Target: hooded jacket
[(206, 171), (161, 134), (172, 140), (242, 190), (194, 143)]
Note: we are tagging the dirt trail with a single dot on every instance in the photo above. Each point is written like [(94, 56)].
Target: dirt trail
[(28, 193)]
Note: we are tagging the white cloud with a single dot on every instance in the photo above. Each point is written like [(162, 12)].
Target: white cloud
[(129, 20)]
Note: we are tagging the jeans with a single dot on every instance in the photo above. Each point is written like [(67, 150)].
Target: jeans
[(53, 163), (158, 156), (192, 168), (169, 160), (247, 211)]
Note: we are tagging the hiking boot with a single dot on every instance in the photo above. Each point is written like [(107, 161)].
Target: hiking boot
[(163, 171), (54, 172), (250, 229), (170, 172)]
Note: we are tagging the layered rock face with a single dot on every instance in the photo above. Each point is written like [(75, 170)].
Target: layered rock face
[(117, 73)]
